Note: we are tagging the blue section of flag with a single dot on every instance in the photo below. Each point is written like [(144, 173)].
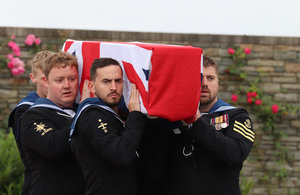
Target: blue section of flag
[(146, 72)]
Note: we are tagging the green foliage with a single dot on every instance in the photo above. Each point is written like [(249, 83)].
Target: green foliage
[(246, 185), (33, 49), (11, 167), (239, 58), (268, 112)]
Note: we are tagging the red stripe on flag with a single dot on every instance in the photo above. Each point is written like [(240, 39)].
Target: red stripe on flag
[(134, 78), (90, 52), (68, 45)]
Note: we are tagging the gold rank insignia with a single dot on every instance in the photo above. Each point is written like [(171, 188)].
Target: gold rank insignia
[(41, 128), (102, 125), (244, 129)]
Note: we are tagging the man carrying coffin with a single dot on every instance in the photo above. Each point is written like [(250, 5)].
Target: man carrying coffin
[(104, 145), (207, 156)]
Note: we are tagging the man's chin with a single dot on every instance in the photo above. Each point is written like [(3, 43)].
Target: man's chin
[(113, 103), (204, 101)]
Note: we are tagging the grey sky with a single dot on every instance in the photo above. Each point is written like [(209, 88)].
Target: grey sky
[(235, 17)]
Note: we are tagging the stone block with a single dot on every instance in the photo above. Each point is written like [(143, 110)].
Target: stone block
[(265, 55), (295, 123), (291, 86), (265, 62), (7, 94), (285, 55), (296, 167), (211, 52), (259, 191), (279, 69), (270, 87), (292, 67), (286, 97), (291, 182), (6, 81), (291, 139), (265, 69), (284, 79), (297, 155), (280, 191), (263, 48), (290, 131), (285, 48)]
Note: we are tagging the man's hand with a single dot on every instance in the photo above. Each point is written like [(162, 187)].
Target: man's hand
[(193, 118), (85, 91), (134, 101)]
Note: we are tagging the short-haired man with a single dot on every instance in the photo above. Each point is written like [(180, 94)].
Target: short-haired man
[(104, 145), (14, 118), (45, 129), (207, 157)]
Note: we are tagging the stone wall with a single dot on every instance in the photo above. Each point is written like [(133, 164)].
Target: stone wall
[(277, 57)]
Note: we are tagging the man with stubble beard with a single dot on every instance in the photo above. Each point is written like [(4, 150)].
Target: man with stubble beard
[(208, 154), (103, 143)]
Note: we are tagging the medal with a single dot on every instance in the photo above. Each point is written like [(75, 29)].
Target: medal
[(220, 122), (224, 125)]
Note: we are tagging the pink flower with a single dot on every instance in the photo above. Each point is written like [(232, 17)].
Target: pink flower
[(15, 61), (275, 108), (21, 70), (234, 98), (249, 94), (258, 102), (17, 50), (11, 44), (13, 37), (10, 56), (231, 51), (247, 51), (249, 100), (10, 64), (253, 94), (14, 71), (37, 41), (30, 39)]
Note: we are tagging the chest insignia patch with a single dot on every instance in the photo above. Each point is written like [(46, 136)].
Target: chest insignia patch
[(220, 122), (102, 125), (41, 128)]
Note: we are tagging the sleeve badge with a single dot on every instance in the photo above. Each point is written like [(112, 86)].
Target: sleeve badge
[(102, 126), (41, 128)]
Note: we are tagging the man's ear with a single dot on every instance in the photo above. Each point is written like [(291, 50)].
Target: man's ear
[(91, 87), (33, 78), (45, 80)]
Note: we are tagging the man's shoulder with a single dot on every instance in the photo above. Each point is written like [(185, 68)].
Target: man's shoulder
[(92, 109)]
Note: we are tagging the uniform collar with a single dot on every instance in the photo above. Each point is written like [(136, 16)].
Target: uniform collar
[(220, 106)]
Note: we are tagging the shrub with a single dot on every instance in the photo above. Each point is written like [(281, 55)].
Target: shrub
[(11, 166)]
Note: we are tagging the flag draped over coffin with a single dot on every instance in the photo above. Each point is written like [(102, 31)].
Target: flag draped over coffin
[(168, 77)]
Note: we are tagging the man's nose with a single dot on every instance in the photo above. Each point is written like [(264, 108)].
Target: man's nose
[(66, 83), (113, 85), (204, 82)]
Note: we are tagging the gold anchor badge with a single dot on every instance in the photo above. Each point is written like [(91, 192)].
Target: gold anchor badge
[(41, 128), (247, 123), (102, 125)]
